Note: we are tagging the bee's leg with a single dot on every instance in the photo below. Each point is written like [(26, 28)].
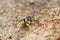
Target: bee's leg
[(18, 29), (19, 25), (28, 24)]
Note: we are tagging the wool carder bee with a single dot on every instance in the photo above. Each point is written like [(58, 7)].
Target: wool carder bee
[(27, 22)]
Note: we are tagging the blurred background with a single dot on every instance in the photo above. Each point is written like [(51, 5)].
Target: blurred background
[(47, 12)]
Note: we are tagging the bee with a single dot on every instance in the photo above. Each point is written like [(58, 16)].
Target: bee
[(27, 22)]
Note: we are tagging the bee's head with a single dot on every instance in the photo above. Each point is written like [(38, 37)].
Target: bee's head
[(29, 18)]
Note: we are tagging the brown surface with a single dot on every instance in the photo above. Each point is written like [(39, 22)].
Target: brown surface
[(47, 12)]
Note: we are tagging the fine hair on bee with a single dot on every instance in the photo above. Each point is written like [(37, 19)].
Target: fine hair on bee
[(26, 22)]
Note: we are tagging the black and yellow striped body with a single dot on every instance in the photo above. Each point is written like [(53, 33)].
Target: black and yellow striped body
[(26, 22)]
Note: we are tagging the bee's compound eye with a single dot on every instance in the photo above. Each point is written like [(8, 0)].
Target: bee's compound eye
[(29, 18)]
